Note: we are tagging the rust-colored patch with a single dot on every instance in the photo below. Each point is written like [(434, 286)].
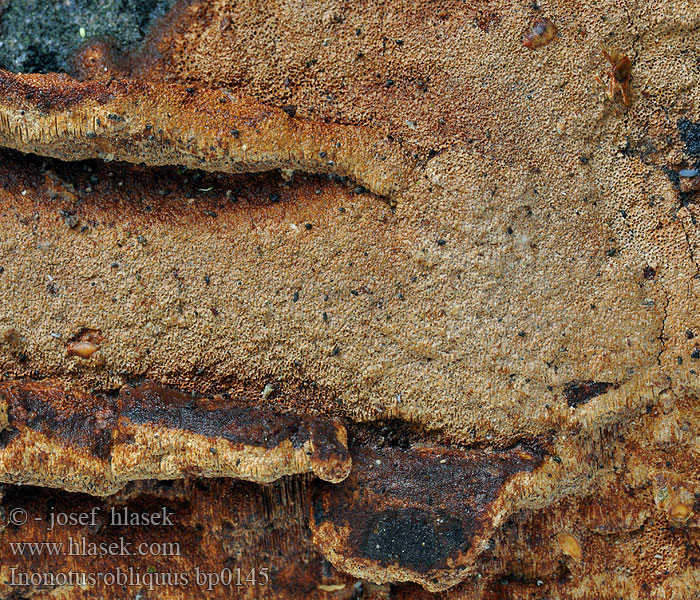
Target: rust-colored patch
[(153, 404), (74, 419), (49, 92)]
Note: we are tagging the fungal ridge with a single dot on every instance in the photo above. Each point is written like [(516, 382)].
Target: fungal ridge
[(158, 124)]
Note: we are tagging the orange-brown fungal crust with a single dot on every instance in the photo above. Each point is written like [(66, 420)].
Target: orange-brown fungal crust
[(618, 76), (96, 443), (536, 286), (543, 32), (196, 127)]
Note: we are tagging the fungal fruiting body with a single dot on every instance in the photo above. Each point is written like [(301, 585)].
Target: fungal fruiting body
[(542, 33), (168, 124), (618, 75)]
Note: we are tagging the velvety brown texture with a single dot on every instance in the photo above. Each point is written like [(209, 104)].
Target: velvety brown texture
[(532, 282)]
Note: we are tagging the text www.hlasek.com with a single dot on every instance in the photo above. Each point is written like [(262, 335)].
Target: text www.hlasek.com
[(82, 547)]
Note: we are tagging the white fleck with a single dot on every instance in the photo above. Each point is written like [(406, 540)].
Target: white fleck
[(81, 31), (267, 390)]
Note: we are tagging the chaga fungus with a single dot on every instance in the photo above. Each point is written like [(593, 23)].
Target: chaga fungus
[(542, 33)]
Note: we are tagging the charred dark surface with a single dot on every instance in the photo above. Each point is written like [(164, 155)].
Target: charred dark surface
[(94, 421), (75, 419), (416, 508), (150, 403), (579, 392)]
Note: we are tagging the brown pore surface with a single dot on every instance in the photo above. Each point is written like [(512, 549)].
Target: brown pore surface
[(535, 282)]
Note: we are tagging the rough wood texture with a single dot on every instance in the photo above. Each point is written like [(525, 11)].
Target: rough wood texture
[(510, 343)]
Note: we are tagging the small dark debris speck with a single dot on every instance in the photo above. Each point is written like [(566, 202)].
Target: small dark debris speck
[(695, 354), (689, 334), (322, 154), (113, 117), (521, 334), (389, 82), (649, 272), (441, 242), (69, 218), (210, 213), (612, 252), (235, 133), (335, 351), (190, 90), (290, 109), (274, 197), (308, 226), (295, 297)]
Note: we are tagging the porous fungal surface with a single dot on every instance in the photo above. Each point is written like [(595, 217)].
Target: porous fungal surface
[(505, 336)]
